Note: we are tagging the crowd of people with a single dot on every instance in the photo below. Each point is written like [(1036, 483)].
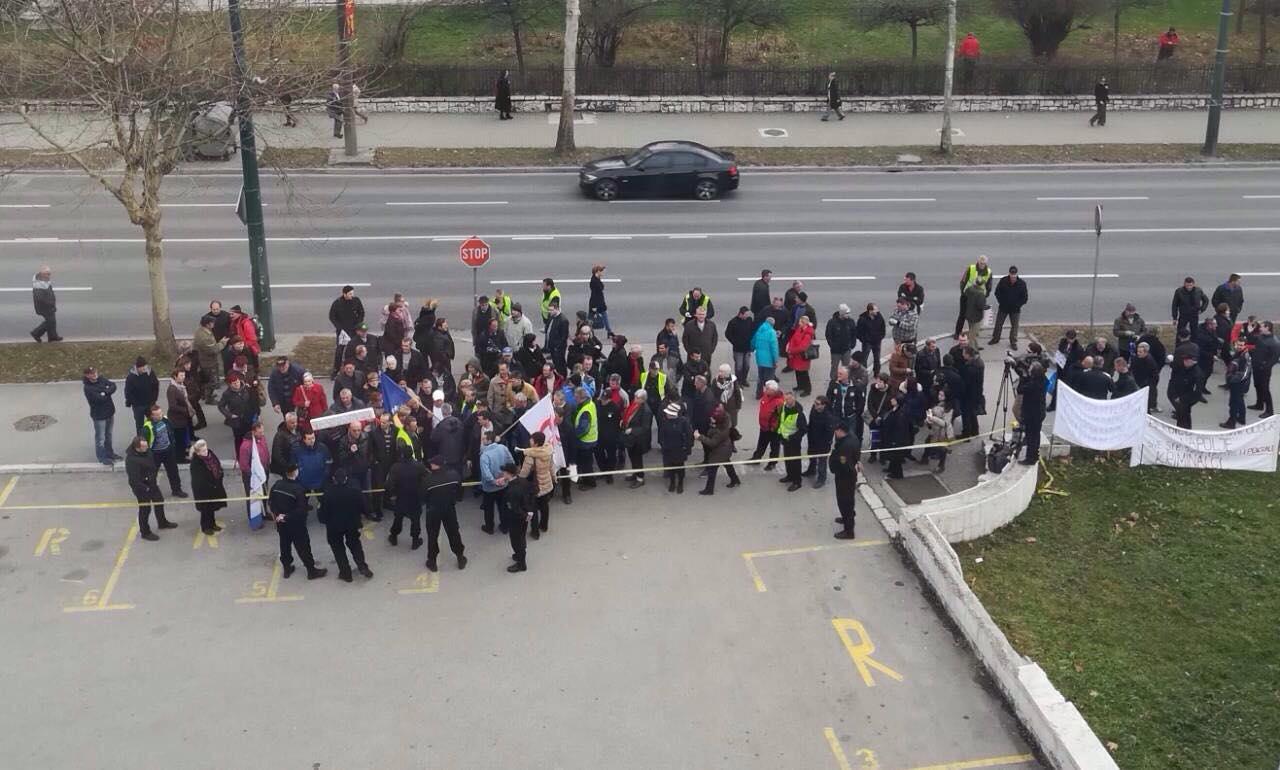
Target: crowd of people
[(448, 427)]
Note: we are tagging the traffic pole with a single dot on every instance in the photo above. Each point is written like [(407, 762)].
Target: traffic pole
[(251, 211), (1097, 258), (346, 23), (475, 281), (1215, 90)]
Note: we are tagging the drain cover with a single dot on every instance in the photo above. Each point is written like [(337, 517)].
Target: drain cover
[(34, 422), (774, 132)]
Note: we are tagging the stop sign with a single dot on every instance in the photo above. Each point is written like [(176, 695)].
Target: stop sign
[(474, 252)]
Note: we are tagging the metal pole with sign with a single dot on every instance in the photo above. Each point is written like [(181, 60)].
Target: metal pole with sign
[(1097, 258), (474, 253)]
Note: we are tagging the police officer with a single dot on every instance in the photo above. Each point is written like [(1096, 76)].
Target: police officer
[(405, 481), (340, 511), (288, 506), (520, 507), (440, 490), (844, 463)]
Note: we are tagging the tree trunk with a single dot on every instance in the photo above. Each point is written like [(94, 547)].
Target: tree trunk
[(160, 320), (948, 78), (518, 39), (1115, 36), (564, 134)]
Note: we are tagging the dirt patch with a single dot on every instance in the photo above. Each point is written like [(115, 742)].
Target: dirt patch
[(294, 157), (55, 361), (12, 159), (315, 354)]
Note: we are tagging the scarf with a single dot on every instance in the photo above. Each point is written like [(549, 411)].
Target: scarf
[(211, 462), (630, 412)]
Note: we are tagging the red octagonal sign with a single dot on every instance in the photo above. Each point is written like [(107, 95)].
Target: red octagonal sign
[(474, 252)]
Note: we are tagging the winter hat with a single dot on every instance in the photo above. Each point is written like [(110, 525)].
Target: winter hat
[(672, 410), (391, 362), (437, 395)]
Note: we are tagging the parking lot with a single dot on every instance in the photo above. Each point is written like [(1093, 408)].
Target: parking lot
[(651, 631)]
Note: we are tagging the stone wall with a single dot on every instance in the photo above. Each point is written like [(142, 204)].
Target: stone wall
[(980, 510)]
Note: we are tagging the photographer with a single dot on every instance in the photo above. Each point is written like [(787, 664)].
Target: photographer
[(1031, 390)]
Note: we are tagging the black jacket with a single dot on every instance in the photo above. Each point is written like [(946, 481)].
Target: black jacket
[(44, 300), (914, 295), (371, 342), (557, 336), (99, 395), (141, 389), (1032, 391), (1125, 385), (739, 332), (1266, 352), (1102, 93), (1095, 384), (760, 298), (440, 491), (927, 363), (341, 507), (840, 333), (280, 386), (1184, 384), (972, 374), (1188, 304), (346, 314), (848, 405), (844, 457), (140, 468), (1233, 297), (289, 499), (239, 408), (440, 348), (530, 360), (675, 436), (422, 328), (870, 330), (1146, 371), (595, 300), (699, 408), (204, 486), (449, 440), (405, 481), (822, 427), (638, 434), (282, 445), (1011, 298)]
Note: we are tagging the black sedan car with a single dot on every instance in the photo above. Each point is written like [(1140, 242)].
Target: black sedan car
[(662, 169)]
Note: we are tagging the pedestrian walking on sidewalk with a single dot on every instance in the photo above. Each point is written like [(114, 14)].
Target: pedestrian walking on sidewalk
[(99, 392), (46, 304), (968, 52), (140, 467), (341, 509), (1101, 98), (502, 95), (333, 108), (833, 98), (207, 485), (355, 104)]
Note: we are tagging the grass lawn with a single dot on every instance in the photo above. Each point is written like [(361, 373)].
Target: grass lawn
[(315, 354), (1151, 597), (55, 361)]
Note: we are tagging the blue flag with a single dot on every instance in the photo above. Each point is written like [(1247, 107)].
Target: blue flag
[(393, 396)]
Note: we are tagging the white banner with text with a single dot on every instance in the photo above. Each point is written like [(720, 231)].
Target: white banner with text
[(1251, 448), (1104, 425)]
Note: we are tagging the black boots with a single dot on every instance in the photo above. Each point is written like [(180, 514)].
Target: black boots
[(363, 569), (315, 573), (517, 567)]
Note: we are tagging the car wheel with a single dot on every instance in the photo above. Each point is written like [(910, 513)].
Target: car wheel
[(606, 190), (706, 189)]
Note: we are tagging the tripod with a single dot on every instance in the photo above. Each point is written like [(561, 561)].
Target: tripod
[(1009, 443)]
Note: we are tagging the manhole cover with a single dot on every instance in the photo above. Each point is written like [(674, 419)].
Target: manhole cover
[(34, 422), (773, 132)]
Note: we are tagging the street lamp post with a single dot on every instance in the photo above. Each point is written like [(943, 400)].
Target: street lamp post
[(250, 210), (1097, 259), (1219, 74)]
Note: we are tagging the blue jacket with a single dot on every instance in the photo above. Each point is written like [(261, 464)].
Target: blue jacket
[(492, 458), (765, 345), (313, 465)]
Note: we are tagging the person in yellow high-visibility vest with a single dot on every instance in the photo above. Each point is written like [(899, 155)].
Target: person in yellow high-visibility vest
[(502, 303), (586, 423), (792, 427), (550, 294), (977, 277)]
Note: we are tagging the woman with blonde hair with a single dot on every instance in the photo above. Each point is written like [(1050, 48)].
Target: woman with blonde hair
[(206, 485), (597, 310)]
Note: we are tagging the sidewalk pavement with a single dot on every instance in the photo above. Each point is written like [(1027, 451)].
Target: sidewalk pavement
[(720, 129)]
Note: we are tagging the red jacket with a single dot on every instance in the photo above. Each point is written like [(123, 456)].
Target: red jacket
[(245, 460), (317, 403), (969, 47), (797, 344), (769, 403), (1168, 39), (244, 328)]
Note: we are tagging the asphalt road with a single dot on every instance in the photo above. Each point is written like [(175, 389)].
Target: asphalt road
[(849, 235)]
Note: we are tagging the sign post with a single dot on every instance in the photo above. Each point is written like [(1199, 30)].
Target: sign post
[(474, 253), (1097, 256)]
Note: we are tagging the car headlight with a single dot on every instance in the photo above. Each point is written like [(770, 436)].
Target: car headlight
[(588, 177)]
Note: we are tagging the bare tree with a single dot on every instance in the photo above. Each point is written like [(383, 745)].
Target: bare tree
[(913, 13), (518, 15), (11, 10), (948, 78), (145, 68), (1046, 23), (604, 24), (711, 24), (1118, 7), (391, 35), (564, 134)]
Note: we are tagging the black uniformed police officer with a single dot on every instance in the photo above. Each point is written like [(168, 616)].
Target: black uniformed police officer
[(340, 510), (520, 507), (288, 505), (440, 492), (845, 466)]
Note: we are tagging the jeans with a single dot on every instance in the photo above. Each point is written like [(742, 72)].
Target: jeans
[(167, 458), (763, 375), (102, 438), (1013, 327), (742, 367), (838, 360)]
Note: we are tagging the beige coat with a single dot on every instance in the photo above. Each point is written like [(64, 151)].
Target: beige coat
[(538, 460)]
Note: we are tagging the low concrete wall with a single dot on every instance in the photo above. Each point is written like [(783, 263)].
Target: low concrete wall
[(1056, 726), (980, 510), (770, 104)]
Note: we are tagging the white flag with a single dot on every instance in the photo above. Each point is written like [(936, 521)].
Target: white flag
[(257, 480), (542, 417)]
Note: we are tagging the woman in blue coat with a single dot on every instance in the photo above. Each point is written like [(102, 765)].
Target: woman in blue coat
[(765, 345)]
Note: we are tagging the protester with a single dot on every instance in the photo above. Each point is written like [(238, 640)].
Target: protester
[(675, 437), (345, 314), (938, 425), (245, 327), (1011, 296), (1032, 388), (1239, 374), (1146, 373), (46, 305), (792, 427), (99, 392), (160, 436), (208, 351), (141, 391), (765, 346), (719, 444), (1184, 387), (799, 355), (1229, 292), (1188, 303), (976, 278), (140, 467), (760, 295), (821, 425), (207, 487), (1266, 352), (905, 322), (912, 291), (1125, 383), (871, 333)]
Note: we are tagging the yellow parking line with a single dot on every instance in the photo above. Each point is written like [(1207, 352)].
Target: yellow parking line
[(756, 578), (836, 749), (971, 764), (96, 601), (8, 489)]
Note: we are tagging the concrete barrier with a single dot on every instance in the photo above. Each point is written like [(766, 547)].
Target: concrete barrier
[(982, 509)]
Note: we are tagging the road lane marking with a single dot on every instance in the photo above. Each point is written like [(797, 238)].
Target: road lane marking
[(611, 237), (1067, 275), (836, 749), (100, 601), (264, 591), (323, 239), (1096, 198), (51, 541), (1258, 275), (202, 539), (879, 200), (424, 583), (1260, 197), (298, 285), (973, 764), (686, 237), (557, 280), (750, 556), (24, 205), (533, 238), (861, 650), (8, 489), (447, 203), (815, 278), (55, 288)]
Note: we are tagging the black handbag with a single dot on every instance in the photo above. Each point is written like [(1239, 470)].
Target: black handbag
[(812, 352)]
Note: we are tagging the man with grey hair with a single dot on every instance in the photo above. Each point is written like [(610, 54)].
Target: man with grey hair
[(46, 305), (727, 392)]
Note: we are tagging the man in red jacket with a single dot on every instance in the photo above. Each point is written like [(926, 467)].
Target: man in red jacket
[(969, 50), (242, 326), (1168, 42)]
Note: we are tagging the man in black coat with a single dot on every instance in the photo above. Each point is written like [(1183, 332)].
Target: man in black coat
[(520, 507), (1146, 367), (341, 509), (1101, 98), (1184, 388), (1188, 303), (345, 314), (1011, 295), (288, 506), (1031, 388), (972, 374), (841, 334), (141, 390), (441, 490), (1209, 342), (556, 339), (739, 332), (870, 333), (1231, 294), (1266, 352), (46, 305), (1093, 382), (760, 298), (912, 292), (845, 464)]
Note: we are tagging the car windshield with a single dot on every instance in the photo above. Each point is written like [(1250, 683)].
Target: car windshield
[(638, 156)]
